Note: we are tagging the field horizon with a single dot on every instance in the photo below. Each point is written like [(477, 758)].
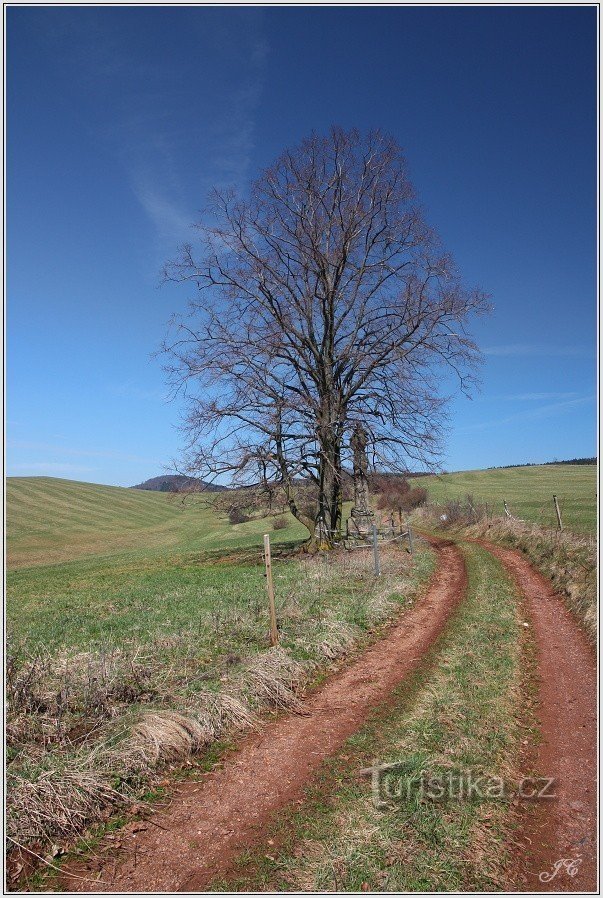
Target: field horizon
[(53, 520)]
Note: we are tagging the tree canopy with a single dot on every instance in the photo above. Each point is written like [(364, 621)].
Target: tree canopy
[(323, 300)]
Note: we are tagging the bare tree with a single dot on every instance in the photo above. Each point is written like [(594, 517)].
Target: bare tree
[(323, 300)]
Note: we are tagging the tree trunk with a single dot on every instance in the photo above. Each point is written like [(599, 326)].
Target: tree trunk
[(330, 487), (337, 506), (306, 520)]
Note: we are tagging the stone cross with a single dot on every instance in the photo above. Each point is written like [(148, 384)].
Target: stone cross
[(362, 518)]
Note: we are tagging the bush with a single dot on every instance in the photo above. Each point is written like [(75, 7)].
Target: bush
[(280, 524), (403, 497), (414, 498), (393, 491), (458, 512), (237, 516)]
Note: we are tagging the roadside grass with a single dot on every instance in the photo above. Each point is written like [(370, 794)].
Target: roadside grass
[(116, 671), (93, 602), (528, 491), (459, 713)]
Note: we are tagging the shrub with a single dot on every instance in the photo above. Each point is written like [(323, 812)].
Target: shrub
[(393, 491), (280, 524), (458, 512), (414, 498), (237, 516)]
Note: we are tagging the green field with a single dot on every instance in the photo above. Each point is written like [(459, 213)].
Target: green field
[(51, 521), (528, 492), (90, 565), (124, 605)]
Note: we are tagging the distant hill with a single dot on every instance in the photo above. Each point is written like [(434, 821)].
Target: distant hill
[(173, 483)]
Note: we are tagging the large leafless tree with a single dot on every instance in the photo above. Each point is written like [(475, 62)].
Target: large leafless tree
[(322, 300)]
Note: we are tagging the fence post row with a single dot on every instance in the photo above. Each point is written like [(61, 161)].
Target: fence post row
[(270, 590)]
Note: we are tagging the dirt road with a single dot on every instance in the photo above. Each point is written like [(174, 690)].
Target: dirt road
[(208, 823)]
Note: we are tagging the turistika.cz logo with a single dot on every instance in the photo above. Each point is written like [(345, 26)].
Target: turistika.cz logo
[(400, 781)]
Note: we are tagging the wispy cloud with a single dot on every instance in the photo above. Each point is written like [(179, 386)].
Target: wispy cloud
[(534, 349), (132, 391), (532, 397), (177, 130), (156, 138), (168, 218), (544, 411)]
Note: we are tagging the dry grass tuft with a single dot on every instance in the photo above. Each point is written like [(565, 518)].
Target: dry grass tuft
[(234, 713), (59, 802), (274, 678), (169, 736), (337, 639)]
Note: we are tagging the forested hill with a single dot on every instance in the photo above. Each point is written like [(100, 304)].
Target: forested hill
[(173, 483)]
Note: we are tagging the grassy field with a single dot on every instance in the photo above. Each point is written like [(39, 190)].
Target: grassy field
[(91, 566), (51, 521), (124, 607), (528, 492)]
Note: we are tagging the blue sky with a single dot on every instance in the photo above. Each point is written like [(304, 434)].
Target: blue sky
[(120, 120)]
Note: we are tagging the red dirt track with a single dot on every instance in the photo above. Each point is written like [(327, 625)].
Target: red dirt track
[(209, 823), (565, 827)]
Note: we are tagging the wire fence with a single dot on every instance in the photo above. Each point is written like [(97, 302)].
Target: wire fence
[(555, 512)]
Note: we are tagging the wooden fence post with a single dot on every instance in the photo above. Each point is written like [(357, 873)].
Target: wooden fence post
[(410, 544), (270, 589), (557, 509), (376, 552)]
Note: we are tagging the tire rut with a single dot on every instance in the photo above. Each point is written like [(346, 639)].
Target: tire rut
[(209, 823), (554, 833)]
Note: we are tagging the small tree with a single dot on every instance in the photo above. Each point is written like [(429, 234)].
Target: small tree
[(323, 300), (237, 516), (414, 498)]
